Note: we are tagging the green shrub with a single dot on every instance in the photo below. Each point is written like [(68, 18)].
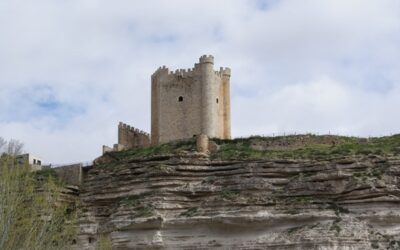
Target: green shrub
[(190, 212), (229, 195)]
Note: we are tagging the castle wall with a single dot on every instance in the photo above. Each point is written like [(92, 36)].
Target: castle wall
[(70, 174), (130, 137), (198, 111)]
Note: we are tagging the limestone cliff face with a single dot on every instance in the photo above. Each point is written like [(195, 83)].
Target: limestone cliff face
[(188, 201)]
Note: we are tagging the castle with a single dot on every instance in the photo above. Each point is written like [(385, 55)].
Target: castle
[(184, 104)]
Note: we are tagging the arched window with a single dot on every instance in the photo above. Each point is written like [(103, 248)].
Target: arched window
[(180, 99), (217, 100)]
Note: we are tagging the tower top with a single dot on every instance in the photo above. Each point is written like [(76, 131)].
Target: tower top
[(206, 59)]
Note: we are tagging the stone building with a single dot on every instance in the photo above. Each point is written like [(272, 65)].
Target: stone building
[(186, 103), (28, 159)]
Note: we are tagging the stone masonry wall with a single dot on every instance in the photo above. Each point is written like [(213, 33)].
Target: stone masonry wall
[(190, 102), (130, 137), (70, 174)]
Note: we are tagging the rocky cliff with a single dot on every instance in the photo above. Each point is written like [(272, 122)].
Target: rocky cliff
[(233, 199)]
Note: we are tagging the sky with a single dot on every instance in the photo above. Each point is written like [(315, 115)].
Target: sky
[(71, 70)]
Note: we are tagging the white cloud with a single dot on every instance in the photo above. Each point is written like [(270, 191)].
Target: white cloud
[(298, 65), (320, 106)]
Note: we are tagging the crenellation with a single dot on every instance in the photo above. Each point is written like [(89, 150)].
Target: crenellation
[(184, 73), (129, 137), (171, 74), (160, 71), (206, 59), (226, 71)]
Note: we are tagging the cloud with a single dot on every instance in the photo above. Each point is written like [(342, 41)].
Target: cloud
[(322, 106), (70, 70)]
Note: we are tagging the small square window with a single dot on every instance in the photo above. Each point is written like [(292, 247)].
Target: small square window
[(180, 99)]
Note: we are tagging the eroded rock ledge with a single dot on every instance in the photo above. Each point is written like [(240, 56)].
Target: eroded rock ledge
[(188, 201)]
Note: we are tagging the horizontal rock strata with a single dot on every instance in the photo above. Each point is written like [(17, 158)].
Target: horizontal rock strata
[(189, 201)]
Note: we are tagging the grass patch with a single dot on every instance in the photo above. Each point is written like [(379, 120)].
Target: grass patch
[(134, 200), (319, 149), (162, 168), (190, 212), (374, 245), (301, 200), (230, 195), (45, 173), (138, 204), (338, 209), (210, 180), (294, 229), (376, 172), (144, 211), (163, 149), (336, 227), (307, 146)]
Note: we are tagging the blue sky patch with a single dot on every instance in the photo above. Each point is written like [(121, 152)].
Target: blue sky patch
[(265, 4), (36, 102)]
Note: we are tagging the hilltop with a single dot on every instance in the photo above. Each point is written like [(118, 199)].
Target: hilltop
[(291, 192), (308, 146)]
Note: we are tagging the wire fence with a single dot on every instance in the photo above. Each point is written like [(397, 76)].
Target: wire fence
[(280, 134)]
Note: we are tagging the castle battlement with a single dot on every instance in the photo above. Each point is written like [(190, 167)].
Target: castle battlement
[(125, 127), (207, 59), (190, 72), (129, 137)]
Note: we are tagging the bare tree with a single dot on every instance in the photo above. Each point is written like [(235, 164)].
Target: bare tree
[(12, 147), (2, 143)]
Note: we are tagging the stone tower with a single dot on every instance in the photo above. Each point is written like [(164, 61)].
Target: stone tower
[(186, 103)]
